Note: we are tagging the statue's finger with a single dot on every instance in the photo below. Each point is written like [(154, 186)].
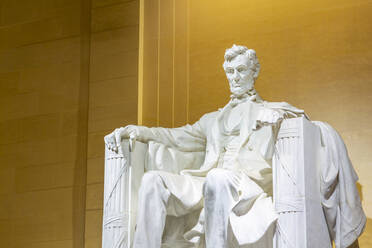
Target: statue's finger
[(117, 137), (132, 141)]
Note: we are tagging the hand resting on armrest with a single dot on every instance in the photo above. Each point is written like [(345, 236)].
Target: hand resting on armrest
[(131, 132)]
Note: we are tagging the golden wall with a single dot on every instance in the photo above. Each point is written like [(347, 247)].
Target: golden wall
[(112, 94), (314, 54), (40, 76), (163, 59), (68, 76)]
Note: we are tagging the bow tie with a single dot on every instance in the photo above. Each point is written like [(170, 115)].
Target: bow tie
[(241, 99)]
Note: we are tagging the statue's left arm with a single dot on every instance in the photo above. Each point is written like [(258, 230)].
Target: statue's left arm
[(274, 112), (268, 124)]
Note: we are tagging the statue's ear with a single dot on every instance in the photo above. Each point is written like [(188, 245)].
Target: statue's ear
[(257, 70), (256, 73)]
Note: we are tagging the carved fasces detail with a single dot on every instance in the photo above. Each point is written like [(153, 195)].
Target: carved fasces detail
[(288, 194), (115, 214), (123, 173)]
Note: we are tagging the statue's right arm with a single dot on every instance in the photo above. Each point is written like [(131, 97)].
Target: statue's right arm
[(186, 138)]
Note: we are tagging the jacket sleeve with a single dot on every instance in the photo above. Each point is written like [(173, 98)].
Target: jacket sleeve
[(188, 138)]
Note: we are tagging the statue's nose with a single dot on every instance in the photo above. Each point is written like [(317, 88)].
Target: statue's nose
[(236, 77)]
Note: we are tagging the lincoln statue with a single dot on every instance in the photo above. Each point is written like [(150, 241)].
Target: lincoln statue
[(231, 192)]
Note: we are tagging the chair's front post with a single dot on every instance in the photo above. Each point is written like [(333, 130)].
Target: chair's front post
[(123, 173), (296, 187)]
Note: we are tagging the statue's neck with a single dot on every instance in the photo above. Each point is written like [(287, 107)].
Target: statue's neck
[(250, 95)]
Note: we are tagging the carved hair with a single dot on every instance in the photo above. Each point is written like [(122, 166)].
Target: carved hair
[(235, 50)]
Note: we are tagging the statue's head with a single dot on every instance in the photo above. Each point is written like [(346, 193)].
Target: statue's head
[(242, 68)]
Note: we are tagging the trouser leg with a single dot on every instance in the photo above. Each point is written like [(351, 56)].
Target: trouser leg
[(220, 193), (152, 204)]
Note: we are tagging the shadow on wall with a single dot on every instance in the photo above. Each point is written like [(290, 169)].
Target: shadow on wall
[(360, 190), (366, 239)]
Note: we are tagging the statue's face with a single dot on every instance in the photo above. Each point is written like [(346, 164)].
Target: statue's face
[(240, 75)]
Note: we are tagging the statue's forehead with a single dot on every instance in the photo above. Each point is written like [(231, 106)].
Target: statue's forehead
[(238, 60)]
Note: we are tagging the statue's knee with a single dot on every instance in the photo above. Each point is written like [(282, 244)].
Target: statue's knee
[(215, 179)]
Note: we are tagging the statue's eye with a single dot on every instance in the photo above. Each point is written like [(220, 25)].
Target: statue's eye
[(230, 71), (240, 69)]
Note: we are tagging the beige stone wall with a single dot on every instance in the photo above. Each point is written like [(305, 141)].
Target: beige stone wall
[(164, 73), (40, 62), (112, 94), (68, 75)]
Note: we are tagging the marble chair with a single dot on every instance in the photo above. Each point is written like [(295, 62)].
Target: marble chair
[(296, 189)]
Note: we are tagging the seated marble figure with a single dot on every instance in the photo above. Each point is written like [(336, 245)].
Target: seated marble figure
[(235, 178)]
